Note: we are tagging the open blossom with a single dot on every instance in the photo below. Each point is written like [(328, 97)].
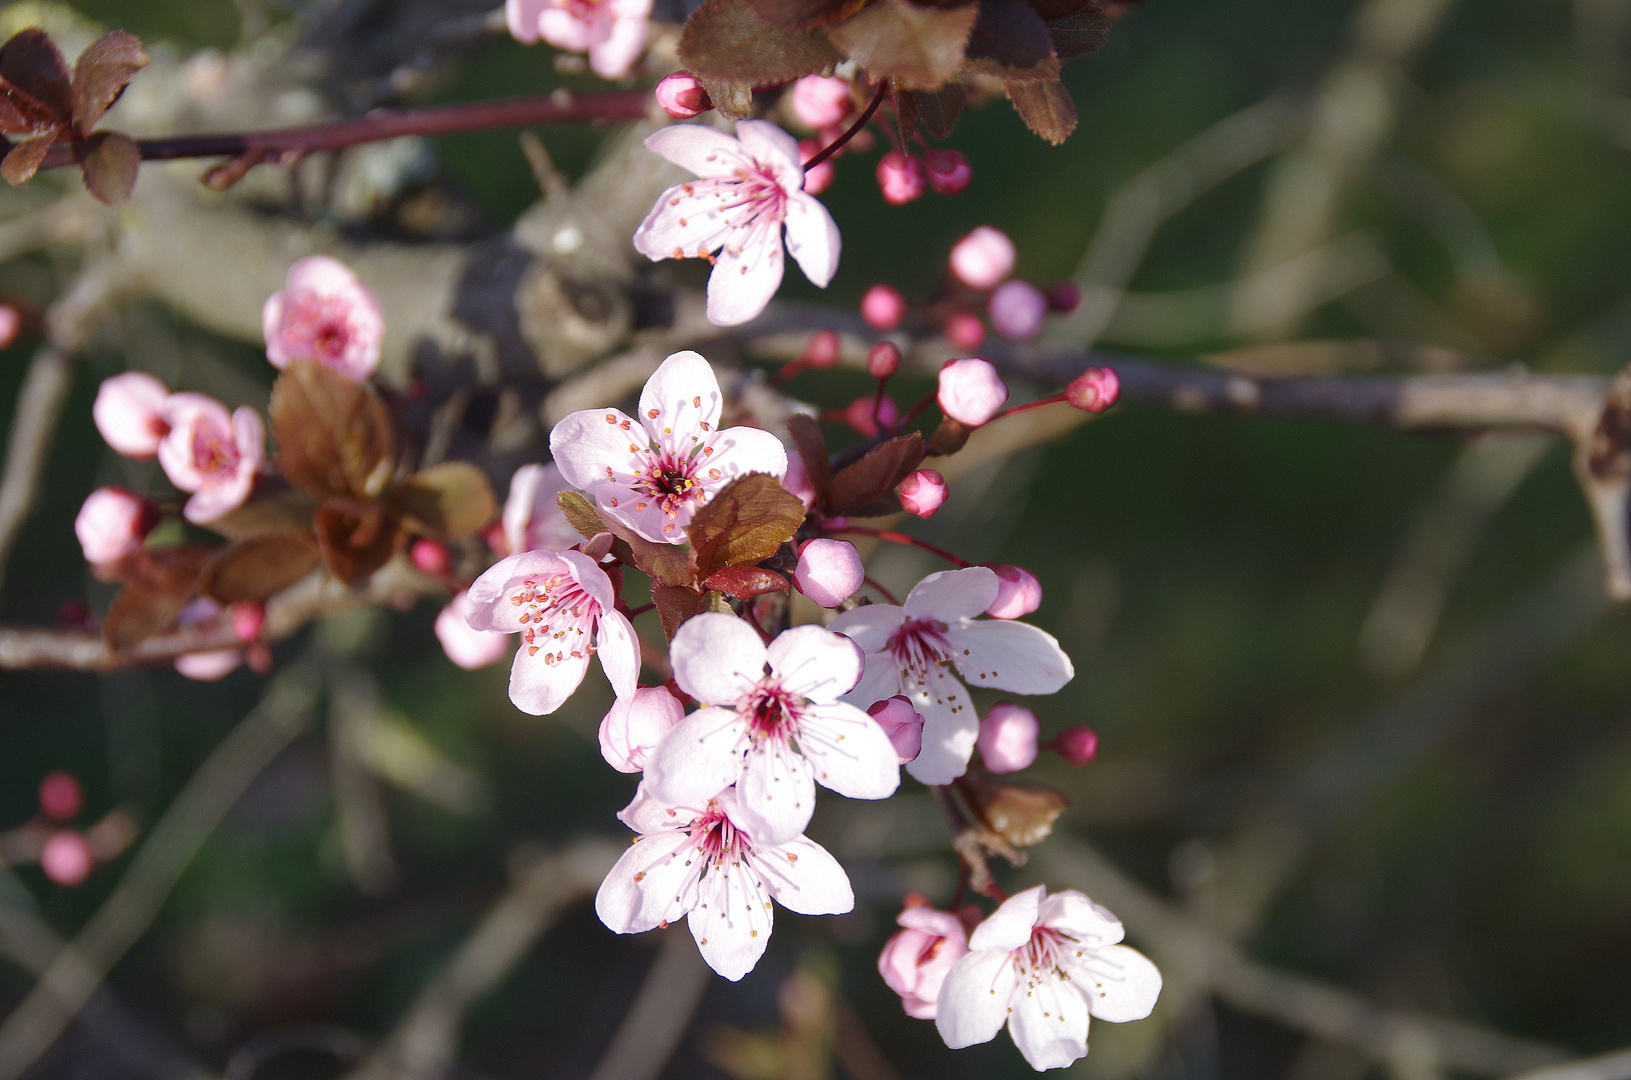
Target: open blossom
[(532, 518), (636, 724), (703, 862), (324, 314), (915, 961), (1042, 965), (560, 603), (129, 413), (748, 189), (212, 453), (653, 473), (612, 32), (773, 735), (821, 101), (466, 646), (113, 523), (919, 650)]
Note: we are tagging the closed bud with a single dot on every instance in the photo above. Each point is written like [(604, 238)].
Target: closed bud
[(901, 177), (829, 571), (923, 492), (1065, 297), (61, 797), (902, 723), (1022, 814), (1018, 592), (797, 480), (883, 360), (822, 352), (430, 557), (11, 324), (971, 391), (248, 618), (67, 858), (883, 307), (636, 724), (866, 414), (949, 171), (1017, 309), (112, 524), (983, 258), (683, 96), (1078, 744), (1094, 390), (127, 413), (964, 330), (821, 101), (1007, 739)]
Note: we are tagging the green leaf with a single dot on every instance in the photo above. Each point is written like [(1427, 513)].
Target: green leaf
[(452, 500), (726, 40), (334, 436), (260, 568), (110, 165), (871, 479), (919, 47), (1011, 41), (746, 522), (1045, 107), (101, 74)]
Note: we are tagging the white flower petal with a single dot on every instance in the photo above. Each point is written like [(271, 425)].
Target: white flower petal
[(681, 401), (615, 54), (871, 626), (804, 877), (641, 513), (747, 275), (880, 680), (1010, 926), (488, 601), (1072, 913), (619, 652), (1120, 983), (703, 149), (539, 686), (732, 919), (698, 759), (532, 517), (812, 238), (590, 578), (776, 794), (974, 998), (1049, 1022), (737, 451), (774, 150), (1009, 656), (815, 663), (953, 594), (950, 726), (688, 221), (646, 884), (849, 752), (587, 444), (718, 658)]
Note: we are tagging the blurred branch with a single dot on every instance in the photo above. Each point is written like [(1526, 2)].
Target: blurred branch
[(78, 969), (359, 808), (1611, 1066), (661, 1013)]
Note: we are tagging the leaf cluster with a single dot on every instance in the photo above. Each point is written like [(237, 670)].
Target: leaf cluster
[(861, 489)]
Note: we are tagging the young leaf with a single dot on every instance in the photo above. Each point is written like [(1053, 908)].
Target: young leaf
[(1022, 814), (1045, 107), (101, 74), (919, 47), (941, 109), (31, 61), (744, 523), (334, 436), (811, 445), (22, 115), (580, 514), (261, 568), (744, 582), (1079, 34), (802, 14), (1011, 41), (110, 165), (451, 500), (23, 160), (906, 113), (873, 477), (675, 604), (354, 545), (733, 99), (727, 40), (158, 584)]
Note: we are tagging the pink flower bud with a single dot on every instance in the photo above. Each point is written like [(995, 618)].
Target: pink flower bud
[(820, 102), (1094, 390), (817, 178), (112, 524), (883, 307), (971, 392), (127, 413), (864, 414), (636, 724), (431, 558), (11, 324), (324, 314), (949, 171), (209, 666), (983, 258), (915, 962), (901, 177), (466, 646), (1077, 745), (1007, 739), (61, 797), (1018, 592), (683, 96), (923, 492), (797, 480), (248, 618), (822, 352), (66, 858), (883, 360), (829, 571), (211, 453), (1017, 309), (964, 330), (902, 723), (1065, 297)]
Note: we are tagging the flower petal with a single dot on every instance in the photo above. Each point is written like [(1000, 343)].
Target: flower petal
[(950, 726), (701, 148), (717, 658), (804, 877), (1073, 914), (974, 998), (774, 150), (538, 685), (1049, 1023), (1009, 656), (625, 40), (776, 794), (641, 513), (1124, 984), (812, 238), (688, 221), (619, 652), (737, 451), (1010, 926), (587, 444), (488, 601), (849, 751), (698, 759), (747, 275), (732, 919), (681, 402), (640, 891), (871, 626), (815, 663), (953, 594)]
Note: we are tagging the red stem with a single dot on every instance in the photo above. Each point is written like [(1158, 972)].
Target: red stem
[(910, 541), (885, 593), (1027, 407), (854, 129)]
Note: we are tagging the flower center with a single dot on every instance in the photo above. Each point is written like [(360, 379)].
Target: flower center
[(717, 838), (558, 615), (1041, 954), (215, 451), (760, 195), (919, 644), (771, 712), (318, 326)]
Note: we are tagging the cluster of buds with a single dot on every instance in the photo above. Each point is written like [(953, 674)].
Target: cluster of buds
[(66, 854)]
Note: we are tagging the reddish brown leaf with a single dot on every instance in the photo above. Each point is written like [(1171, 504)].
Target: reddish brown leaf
[(744, 523), (101, 74), (22, 115), (1022, 814), (906, 113), (261, 568), (675, 604), (23, 160), (31, 61), (1079, 34), (158, 584), (801, 14), (354, 545), (726, 40), (919, 47), (110, 165), (273, 507), (334, 436), (452, 500), (811, 446), (1011, 41), (1045, 107), (941, 109), (871, 479), (744, 582)]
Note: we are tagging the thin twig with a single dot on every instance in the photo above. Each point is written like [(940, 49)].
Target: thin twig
[(661, 1013)]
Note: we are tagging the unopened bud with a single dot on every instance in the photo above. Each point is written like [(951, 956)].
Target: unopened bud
[(901, 177), (1094, 390), (822, 352), (923, 492), (67, 858), (868, 414), (819, 177), (1018, 592), (1077, 745), (112, 524), (683, 96), (829, 571), (11, 324), (797, 480), (1007, 739), (61, 797), (902, 723), (983, 258), (1064, 297), (971, 391), (883, 307), (964, 330), (949, 171), (430, 557), (883, 360), (818, 101), (1017, 309), (209, 666), (248, 618)]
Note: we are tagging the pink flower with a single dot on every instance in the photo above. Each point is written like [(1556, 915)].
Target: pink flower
[(653, 474), (1094, 390), (821, 102), (560, 603), (466, 646), (430, 558), (1007, 738), (636, 724), (1078, 745), (612, 32), (209, 666), (703, 862), (923, 492), (750, 187), (883, 307), (11, 324), (983, 258), (920, 650), (1043, 965), (324, 314), (774, 734), (129, 413), (248, 618), (67, 858), (532, 518), (971, 391), (61, 797), (828, 571), (1018, 592), (949, 171), (211, 453), (915, 961), (112, 524), (901, 177), (902, 723), (964, 330), (1017, 309), (682, 95)]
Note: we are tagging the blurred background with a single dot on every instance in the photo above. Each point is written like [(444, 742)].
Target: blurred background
[(1362, 704)]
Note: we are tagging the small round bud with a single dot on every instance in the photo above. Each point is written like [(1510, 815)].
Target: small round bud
[(67, 858), (1007, 738), (11, 324), (1064, 297), (76, 615), (902, 723), (683, 96), (1017, 309), (817, 178), (971, 392), (248, 618), (820, 102), (1078, 744), (1018, 592), (964, 330), (829, 571), (883, 359), (866, 414), (128, 413), (112, 524), (61, 797), (949, 171), (636, 724), (901, 177), (983, 258), (823, 350), (1094, 390), (883, 307), (430, 557), (923, 492)]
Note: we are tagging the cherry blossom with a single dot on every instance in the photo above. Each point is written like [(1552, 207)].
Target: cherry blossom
[(970, 391), (324, 314), (636, 724), (612, 32), (653, 474), (821, 101), (920, 649), (983, 258), (61, 796), (704, 863), (773, 735), (1078, 745), (923, 493), (129, 413), (112, 524), (532, 518), (964, 330), (466, 646), (1043, 965), (828, 571), (949, 171), (901, 178), (1094, 390), (883, 360), (560, 603), (915, 961), (66, 858), (1007, 739), (1017, 309), (210, 665), (212, 453), (749, 187), (883, 307)]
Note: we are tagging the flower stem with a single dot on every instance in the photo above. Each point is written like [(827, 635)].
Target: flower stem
[(910, 541), (1028, 406), (854, 129), (885, 593)]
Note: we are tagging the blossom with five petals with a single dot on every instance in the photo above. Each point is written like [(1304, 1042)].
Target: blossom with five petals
[(653, 473), (210, 452), (773, 735), (920, 649), (747, 189), (612, 32), (1043, 965), (560, 603), (324, 314), (703, 863)]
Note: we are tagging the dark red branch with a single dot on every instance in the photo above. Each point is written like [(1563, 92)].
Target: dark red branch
[(854, 129), (901, 538)]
